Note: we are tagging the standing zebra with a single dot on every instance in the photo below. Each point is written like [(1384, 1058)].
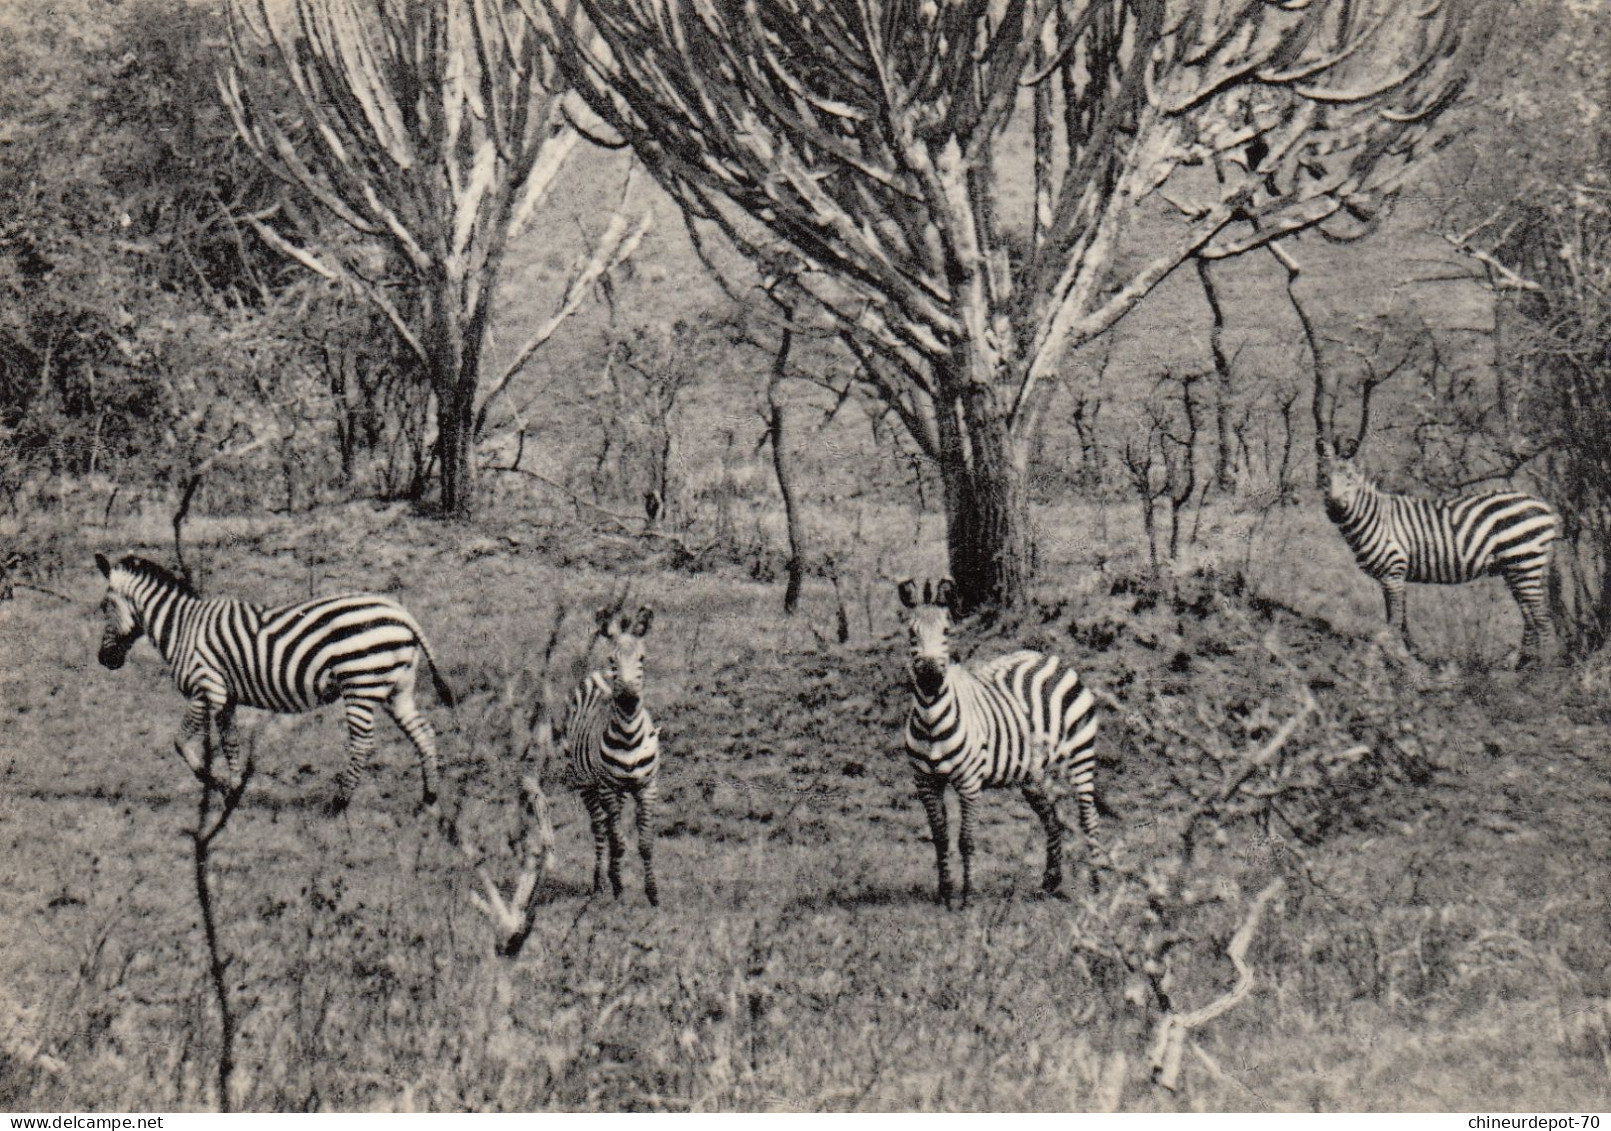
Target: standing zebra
[(614, 748), (1398, 539), (364, 650), (1022, 720)]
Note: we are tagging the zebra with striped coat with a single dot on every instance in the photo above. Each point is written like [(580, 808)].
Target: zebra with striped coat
[(614, 749), (1398, 539), (362, 649), (1022, 720)]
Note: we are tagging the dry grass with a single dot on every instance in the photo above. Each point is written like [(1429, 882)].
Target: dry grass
[(1450, 952)]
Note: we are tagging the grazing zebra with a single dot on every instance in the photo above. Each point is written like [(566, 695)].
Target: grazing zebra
[(614, 749), (1022, 720), (364, 650), (1398, 539)]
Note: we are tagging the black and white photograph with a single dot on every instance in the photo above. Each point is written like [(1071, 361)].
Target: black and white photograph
[(806, 556)]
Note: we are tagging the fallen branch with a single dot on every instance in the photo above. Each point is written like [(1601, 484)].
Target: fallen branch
[(1170, 1046), (515, 916)]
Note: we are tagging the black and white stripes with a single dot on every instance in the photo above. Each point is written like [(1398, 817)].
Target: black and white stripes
[(364, 650), (1022, 720), (614, 750), (1398, 539)]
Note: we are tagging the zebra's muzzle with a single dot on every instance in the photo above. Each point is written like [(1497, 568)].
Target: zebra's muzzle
[(928, 677), (112, 654)]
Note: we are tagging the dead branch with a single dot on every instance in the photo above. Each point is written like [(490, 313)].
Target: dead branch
[(1173, 1028), (514, 917), (210, 822)]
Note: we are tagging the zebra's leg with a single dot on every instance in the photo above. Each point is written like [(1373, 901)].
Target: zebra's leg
[(648, 797), (1046, 809), (1528, 590), (968, 801), (929, 793), (1393, 586), (420, 732), (598, 816), (229, 741), (1085, 798), (360, 751), (612, 808), (191, 743)]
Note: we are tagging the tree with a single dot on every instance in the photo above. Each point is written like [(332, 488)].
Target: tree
[(120, 174), (1533, 209), (861, 148), (429, 129)]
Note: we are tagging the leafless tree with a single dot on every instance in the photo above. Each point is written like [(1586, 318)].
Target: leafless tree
[(1224, 454), (855, 147), (215, 805), (1163, 467), (430, 130), (776, 434)]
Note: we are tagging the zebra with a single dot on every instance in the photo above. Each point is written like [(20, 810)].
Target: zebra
[(363, 649), (614, 749), (1022, 719), (1399, 538)]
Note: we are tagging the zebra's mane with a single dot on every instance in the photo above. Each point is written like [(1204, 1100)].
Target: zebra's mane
[(162, 575)]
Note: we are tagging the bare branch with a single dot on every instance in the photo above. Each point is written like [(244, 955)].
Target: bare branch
[(1173, 1028)]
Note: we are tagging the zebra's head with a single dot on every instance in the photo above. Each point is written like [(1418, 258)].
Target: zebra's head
[(929, 631), (623, 667), (123, 625), (1344, 481)]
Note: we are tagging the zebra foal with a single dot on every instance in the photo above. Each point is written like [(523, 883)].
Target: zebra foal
[(1398, 539), (614, 750), (363, 649), (1021, 720)]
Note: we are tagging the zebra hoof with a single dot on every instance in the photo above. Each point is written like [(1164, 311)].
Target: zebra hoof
[(337, 805)]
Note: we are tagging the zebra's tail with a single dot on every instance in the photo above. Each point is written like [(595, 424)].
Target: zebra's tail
[(443, 691)]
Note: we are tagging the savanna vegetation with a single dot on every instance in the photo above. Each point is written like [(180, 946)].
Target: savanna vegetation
[(1347, 874)]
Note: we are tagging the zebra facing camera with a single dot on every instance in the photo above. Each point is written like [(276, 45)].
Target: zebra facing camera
[(612, 624), (942, 593)]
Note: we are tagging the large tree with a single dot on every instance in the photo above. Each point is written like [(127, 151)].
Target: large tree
[(863, 153), (428, 130), (1529, 197)]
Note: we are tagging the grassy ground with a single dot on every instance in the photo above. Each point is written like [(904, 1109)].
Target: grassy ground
[(1440, 943), (1445, 949)]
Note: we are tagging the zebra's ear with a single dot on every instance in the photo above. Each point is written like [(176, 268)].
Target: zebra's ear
[(1348, 449), (908, 591), (605, 617), (103, 565), (1326, 450), (945, 593), (645, 618)]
